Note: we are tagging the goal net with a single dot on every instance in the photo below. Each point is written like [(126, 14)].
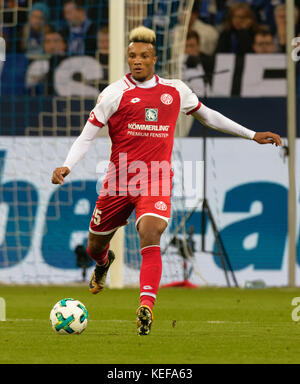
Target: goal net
[(169, 20), (48, 97)]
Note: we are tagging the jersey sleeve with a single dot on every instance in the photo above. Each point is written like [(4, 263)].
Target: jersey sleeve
[(81, 145), (107, 104), (189, 102), (217, 121)]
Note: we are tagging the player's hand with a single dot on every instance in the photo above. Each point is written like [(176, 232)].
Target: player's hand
[(267, 138), (59, 174)]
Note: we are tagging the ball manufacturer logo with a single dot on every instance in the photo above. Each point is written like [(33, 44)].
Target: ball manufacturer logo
[(161, 206), (166, 99)]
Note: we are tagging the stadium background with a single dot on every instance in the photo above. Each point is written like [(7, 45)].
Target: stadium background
[(45, 101)]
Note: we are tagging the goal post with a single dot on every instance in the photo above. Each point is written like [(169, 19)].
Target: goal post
[(2, 309), (116, 71), (291, 134), (116, 39)]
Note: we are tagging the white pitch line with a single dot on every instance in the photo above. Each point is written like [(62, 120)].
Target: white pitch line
[(112, 320), (178, 321), (226, 322)]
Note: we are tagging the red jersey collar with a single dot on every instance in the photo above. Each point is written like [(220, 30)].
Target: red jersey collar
[(131, 79)]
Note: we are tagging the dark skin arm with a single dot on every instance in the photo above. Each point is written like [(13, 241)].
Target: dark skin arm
[(59, 174), (267, 138)]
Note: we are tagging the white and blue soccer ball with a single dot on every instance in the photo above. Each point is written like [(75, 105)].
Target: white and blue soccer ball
[(69, 317)]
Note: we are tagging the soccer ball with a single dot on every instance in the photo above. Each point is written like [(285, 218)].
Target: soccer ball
[(69, 317)]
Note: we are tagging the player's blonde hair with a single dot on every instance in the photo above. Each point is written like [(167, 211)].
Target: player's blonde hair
[(142, 35)]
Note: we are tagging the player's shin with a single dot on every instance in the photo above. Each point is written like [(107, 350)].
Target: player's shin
[(150, 275), (100, 257)]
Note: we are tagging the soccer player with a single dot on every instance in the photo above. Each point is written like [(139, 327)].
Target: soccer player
[(141, 110)]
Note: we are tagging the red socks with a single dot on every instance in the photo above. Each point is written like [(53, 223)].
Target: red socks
[(100, 258), (150, 275)]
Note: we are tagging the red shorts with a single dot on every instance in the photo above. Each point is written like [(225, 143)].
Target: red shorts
[(112, 212)]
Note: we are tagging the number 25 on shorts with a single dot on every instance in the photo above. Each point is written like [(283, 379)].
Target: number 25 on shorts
[(97, 216)]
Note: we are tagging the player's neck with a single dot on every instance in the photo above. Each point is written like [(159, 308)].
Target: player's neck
[(146, 83)]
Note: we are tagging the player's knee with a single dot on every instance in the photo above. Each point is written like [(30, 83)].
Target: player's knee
[(98, 243), (150, 236), (150, 229), (96, 246)]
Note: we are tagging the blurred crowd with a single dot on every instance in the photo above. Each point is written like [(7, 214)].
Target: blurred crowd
[(253, 26), (237, 27), (56, 29), (47, 32), (69, 27)]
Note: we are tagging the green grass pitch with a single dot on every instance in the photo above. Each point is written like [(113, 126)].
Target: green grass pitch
[(211, 325)]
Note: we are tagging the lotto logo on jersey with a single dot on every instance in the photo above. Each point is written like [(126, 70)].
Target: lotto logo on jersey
[(161, 206), (166, 99), (135, 100), (151, 114)]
